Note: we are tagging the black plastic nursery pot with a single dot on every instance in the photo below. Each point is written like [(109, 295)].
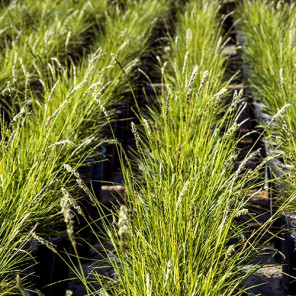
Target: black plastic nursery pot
[(110, 151), (25, 268), (112, 162), (289, 251), (81, 235), (277, 229), (109, 163), (97, 172), (122, 126), (50, 268), (92, 173)]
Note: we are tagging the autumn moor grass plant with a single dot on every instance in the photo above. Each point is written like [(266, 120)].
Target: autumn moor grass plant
[(174, 234)]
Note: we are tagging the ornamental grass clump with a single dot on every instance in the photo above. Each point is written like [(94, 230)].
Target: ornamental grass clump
[(62, 128), (184, 200), (184, 197)]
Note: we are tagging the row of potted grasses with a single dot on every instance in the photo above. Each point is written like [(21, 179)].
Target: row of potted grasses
[(269, 51), (178, 233), (63, 127)]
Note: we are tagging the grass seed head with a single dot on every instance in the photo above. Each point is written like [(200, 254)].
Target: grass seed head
[(14, 77), (163, 68), (176, 43), (202, 83), (137, 136), (20, 114), (168, 272), (83, 186), (282, 78), (185, 62), (182, 193), (68, 215), (147, 127), (61, 143), (100, 103), (188, 37), (167, 109), (242, 165), (43, 189), (71, 170), (277, 115), (230, 251), (191, 81), (12, 138), (44, 242), (148, 288), (123, 221), (241, 212), (123, 226), (8, 89), (167, 103)]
